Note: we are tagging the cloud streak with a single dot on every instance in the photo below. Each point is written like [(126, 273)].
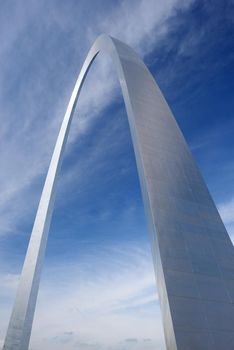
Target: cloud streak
[(37, 119), (226, 211), (98, 301)]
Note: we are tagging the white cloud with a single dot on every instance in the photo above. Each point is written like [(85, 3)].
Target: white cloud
[(27, 152), (8, 283), (96, 309), (102, 300), (144, 22), (226, 211)]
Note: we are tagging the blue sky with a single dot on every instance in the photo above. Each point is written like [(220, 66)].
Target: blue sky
[(98, 289)]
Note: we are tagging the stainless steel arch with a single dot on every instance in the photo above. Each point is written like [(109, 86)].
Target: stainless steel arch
[(192, 252)]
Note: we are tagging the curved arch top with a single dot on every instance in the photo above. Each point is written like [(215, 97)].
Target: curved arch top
[(190, 246)]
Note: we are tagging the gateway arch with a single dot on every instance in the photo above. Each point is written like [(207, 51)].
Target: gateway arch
[(192, 252)]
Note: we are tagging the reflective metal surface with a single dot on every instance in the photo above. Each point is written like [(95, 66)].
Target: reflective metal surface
[(193, 254)]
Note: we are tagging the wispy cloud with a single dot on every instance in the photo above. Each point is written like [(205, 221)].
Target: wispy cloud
[(226, 211), (104, 300), (8, 284), (36, 90)]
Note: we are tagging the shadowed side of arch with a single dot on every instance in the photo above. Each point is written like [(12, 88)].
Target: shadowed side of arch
[(188, 239)]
